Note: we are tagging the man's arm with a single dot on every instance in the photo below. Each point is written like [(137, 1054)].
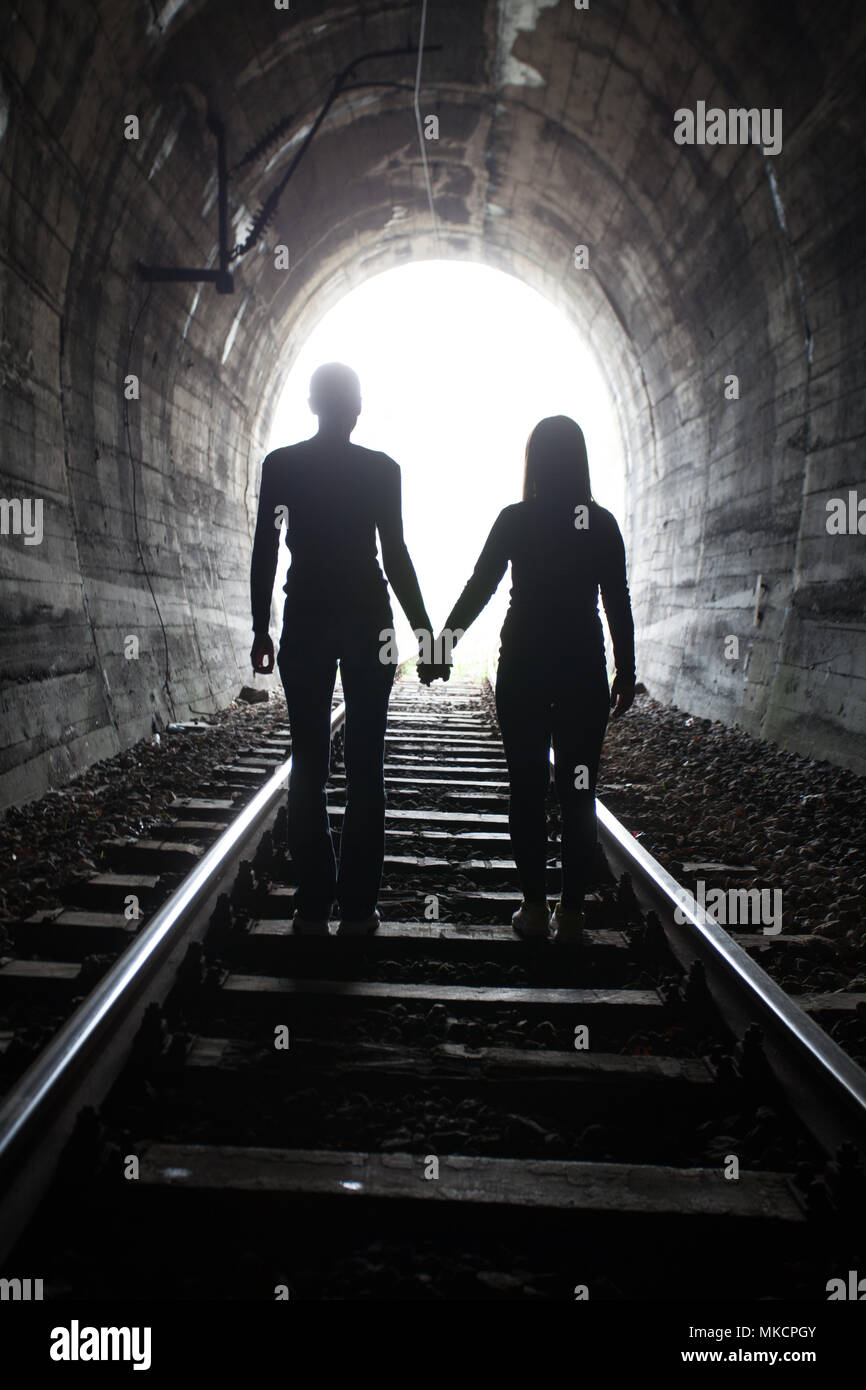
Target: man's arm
[(395, 556), (263, 567)]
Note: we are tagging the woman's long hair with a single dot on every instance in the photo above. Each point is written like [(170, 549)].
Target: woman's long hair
[(556, 467)]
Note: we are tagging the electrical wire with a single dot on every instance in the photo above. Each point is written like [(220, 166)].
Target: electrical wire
[(341, 85), (421, 141)]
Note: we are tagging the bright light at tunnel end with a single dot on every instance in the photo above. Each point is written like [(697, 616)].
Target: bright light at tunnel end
[(458, 362)]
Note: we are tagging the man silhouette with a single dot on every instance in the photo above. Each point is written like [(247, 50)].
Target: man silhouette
[(334, 496)]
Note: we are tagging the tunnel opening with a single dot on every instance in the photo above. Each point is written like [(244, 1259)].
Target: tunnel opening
[(458, 361)]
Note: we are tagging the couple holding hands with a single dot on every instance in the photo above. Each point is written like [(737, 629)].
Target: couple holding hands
[(551, 683)]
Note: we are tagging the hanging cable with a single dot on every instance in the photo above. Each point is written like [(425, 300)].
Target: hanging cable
[(421, 141), (268, 209), (166, 684)]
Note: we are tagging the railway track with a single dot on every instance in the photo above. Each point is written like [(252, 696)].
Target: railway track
[(438, 1111)]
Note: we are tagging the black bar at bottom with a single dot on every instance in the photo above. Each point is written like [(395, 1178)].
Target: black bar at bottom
[(228, 1339)]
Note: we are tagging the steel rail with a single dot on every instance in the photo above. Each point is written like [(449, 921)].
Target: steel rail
[(828, 1086), (82, 1060)]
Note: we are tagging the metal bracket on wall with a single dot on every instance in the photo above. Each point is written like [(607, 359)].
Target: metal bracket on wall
[(760, 590), (222, 278)]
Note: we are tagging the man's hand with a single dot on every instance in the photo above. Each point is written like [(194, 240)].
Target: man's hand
[(429, 648), (262, 654), (431, 670), (621, 696)]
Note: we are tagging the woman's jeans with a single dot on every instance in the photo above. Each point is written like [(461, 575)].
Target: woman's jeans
[(312, 644), (540, 699)]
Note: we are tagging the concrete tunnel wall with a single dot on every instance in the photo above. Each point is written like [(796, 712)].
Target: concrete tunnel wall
[(556, 129)]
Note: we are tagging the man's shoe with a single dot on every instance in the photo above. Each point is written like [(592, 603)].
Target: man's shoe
[(568, 924), (531, 920), (364, 926), (309, 926)]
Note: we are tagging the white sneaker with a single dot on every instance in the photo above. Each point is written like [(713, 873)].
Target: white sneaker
[(309, 926), (531, 919), (568, 924), (364, 927)]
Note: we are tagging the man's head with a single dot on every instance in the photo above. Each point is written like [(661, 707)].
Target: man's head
[(335, 396)]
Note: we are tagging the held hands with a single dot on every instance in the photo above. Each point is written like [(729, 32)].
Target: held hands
[(621, 696), (429, 669), (262, 654)]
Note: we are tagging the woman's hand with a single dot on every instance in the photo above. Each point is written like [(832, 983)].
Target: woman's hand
[(621, 696), (262, 654), (430, 664), (432, 670)]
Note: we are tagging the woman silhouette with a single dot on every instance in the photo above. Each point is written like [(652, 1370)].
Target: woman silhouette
[(552, 681)]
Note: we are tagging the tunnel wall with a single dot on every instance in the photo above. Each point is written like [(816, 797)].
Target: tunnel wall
[(143, 531), (703, 261)]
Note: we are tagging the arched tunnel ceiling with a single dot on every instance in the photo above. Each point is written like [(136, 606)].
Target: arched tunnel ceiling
[(555, 129)]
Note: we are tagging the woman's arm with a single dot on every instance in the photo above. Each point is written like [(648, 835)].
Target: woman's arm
[(484, 581), (613, 583)]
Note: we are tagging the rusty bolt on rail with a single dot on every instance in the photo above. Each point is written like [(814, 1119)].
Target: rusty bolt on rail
[(151, 1039), (223, 923), (91, 1151), (245, 885), (754, 1069), (647, 939)]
